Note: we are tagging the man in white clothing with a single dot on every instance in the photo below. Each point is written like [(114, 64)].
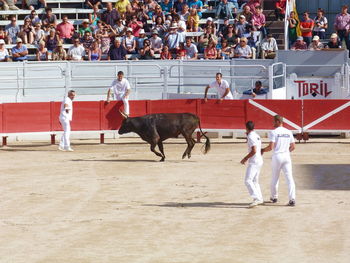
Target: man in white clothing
[(255, 163), (65, 118), (77, 51), (121, 90), (222, 87), (282, 143)]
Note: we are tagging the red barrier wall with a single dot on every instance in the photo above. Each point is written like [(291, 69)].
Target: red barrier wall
[(229, 114)]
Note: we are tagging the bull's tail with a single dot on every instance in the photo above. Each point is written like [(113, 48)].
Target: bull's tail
[(207, 142)]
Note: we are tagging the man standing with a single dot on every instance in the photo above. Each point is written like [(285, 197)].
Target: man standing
[(342, 25), (255, 163), (282, 143), (65, 118), (121, 90), (222, 86)]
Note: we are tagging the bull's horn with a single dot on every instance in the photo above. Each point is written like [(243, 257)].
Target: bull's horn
[(125, 116)]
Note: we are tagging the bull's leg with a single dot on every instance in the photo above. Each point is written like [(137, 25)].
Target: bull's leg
[(161, 148), (153, 149), (190, 145)]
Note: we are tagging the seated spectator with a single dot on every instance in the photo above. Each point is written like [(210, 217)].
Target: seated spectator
[(65, 30), (146, 52), (135, 25), (110, 15), (19, 51), (269, 47), (193, 21), (77, 51), (87, 41), (159, 26), (165, 53), (122, 6), (94, 18), (4, 54), (225, 51), (41, 53), (299, 44), (93, 4), (10, 5), (27, 32), (49, 19), (142, 16), (94, 53), (205, 38), (85, 27), (158, 13), (33, 4), (316, 44), (191, 49), (150, 7), (224, 10), (184, 13), (258, 90), (243, 50), (292, 28), (2, 33), (129, 42), (172, 39), (181, 27), (210, 52), (105, 39), (39, 34), (166, 5), (140, 40), (51, 40), (59, 53), (181, 51), (230, 36), (198, 5), (334, 42), (280, 9), (259, 21), (321, 24), (248, 15), (223, 28), (210, 23), (156, 42), (241, 26), (306, 27), (34, 18), (117, 51), (253, 4), (119, 28), (12, 31), (179, 6)]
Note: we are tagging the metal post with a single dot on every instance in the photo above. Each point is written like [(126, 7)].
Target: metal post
[(269, 94), (165, 72)]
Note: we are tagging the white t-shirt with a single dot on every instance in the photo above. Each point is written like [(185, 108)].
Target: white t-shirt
[(77, 53), (120, 87), (4, 54), (191, 50), (282, 139), (254, 140), (222, 88), (156, 42), (64, 114)]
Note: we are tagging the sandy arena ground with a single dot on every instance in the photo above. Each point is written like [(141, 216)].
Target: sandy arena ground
[(116, 203)]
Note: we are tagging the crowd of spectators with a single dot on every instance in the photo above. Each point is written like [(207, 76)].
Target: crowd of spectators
[(143, 29)]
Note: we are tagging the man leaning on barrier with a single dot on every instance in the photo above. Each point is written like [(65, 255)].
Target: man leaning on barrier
[(223, 88)]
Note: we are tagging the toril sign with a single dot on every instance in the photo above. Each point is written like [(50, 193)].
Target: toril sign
[(313, 89)]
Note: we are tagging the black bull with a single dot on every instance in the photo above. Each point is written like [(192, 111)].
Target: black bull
[(156, 128)]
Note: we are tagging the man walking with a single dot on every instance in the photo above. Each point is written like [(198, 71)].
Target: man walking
[(222, 87), (255, 163), (65, 118), (282, 143), (121, 89)]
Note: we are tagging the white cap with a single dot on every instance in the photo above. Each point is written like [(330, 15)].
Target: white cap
[(129, 29), (209, 19), (2, 41), (316, 38), (142, 31), (334, 35), (86, 21), (242, 16), (174, 25), (19, 40)]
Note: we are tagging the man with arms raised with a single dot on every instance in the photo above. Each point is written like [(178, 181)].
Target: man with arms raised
[(282, 143), (222, 87)]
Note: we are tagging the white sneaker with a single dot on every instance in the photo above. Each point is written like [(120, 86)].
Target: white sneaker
[(69, 150), (61, 149), (256, 202)]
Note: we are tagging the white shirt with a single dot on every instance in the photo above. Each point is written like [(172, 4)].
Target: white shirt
[(254, 140), (222, 89), (269, 45), (120, 87), (4, 54), (76, 53), (191, 50), (63, 113), (282, 139), (156, 42)]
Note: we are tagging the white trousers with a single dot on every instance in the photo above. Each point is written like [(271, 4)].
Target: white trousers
[(282, 161), (251, 180), (65, 141), (125, 101)]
